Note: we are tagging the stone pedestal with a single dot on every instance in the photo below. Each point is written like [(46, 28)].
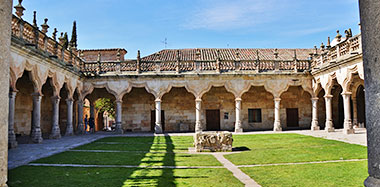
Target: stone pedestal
[(314, 122), (36, 135), (5, 41), (69, 126), (214, 141), (329, 126), (238, 126), (277, 122), (370, 22), (55, 130), (198, 108), (12, 142), (118, 128), (158, 127)]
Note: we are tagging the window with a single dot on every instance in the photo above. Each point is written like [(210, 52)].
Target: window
[(254, 115), (226, 115)]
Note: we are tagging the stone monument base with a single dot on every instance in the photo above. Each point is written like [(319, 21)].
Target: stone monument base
[(214, 141)]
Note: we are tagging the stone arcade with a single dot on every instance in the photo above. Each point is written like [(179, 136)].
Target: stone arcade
[(180, 90)]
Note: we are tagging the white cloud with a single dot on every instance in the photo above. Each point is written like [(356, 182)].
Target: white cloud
[(233, 14)]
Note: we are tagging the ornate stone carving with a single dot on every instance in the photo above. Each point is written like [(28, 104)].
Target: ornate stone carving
[(216, 141)]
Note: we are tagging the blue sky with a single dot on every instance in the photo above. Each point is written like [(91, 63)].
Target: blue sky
[(144, 24)]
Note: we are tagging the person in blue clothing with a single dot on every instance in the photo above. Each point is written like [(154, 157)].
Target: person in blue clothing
[(85, 124), (92, 125)]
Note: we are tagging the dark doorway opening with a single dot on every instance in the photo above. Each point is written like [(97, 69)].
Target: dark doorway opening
[(292, 117), (153, 120), (213, 120)]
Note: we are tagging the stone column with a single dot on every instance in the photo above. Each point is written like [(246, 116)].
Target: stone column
[(277, 122), (354, 112), (347, 114), (36, 126), (119, 129), (329, 126), (80, 128), (238, 126), (5, 41), (198, 109), (55, 130), (369, 18), (158, 127), (314, 122), (12, 142), (69, 124)]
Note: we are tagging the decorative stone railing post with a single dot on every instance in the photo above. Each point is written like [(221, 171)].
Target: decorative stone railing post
[(158, 127), (348, 129), (158, 66), (198, 109), (138, 62), (69, 124), (329, 126), (80, 128), (36, 135), (12, 142), (314, 122), (238, 126), (119, 129), (355, 112), (55, 130), (277, 122)]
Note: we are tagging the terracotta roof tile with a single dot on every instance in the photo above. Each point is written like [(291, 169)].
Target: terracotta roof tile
[(211, 54)]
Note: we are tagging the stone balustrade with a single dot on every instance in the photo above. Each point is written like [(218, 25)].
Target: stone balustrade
[(342, 50)]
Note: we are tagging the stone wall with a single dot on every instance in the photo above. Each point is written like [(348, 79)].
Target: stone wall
[(258, 98), (296, 97), (219, 98), (136, 110), (179, 107)]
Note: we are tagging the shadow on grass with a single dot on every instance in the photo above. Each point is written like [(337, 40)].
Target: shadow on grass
[(167, 178), (241, 148)]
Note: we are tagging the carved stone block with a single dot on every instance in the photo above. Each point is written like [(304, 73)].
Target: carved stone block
[(214, 141)]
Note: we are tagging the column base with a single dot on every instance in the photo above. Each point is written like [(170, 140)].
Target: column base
[(69, 132), (198, 126), (158, 129), (238, 127), (315, 126), (80, 129), (277, 126), (118, 129), (55, 133), (372, 182), (329, 126), (349, 131), (36, 136), (12, 142)]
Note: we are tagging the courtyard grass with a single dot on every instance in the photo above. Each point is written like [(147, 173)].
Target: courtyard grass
[(170, 151), (322, 174), (66, 176), (290, 148)]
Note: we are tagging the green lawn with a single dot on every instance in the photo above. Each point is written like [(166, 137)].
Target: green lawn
[(324, 174), (289, 148), (171, 151), (92, 177)]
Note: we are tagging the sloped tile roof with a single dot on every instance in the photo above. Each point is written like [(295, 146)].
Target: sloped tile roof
[(211, 54)]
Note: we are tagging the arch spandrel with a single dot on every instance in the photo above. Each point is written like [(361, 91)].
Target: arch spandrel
[(237, 87), (119, 88), (276, 87), (158, 88)]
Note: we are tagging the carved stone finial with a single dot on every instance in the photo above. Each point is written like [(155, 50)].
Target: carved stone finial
[(178, 57), (257, 55), (237, 54), (99, 57), (34, 18), (198, 53), (328, 43), (138, 54), (118, 55), (54, 36), (45, 26), (338, 36), (74, 41), (218, 54), (348, 33), (19, 9), (275, 53), (315, 50), (295, 54), (322, 46), (61, 39)]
